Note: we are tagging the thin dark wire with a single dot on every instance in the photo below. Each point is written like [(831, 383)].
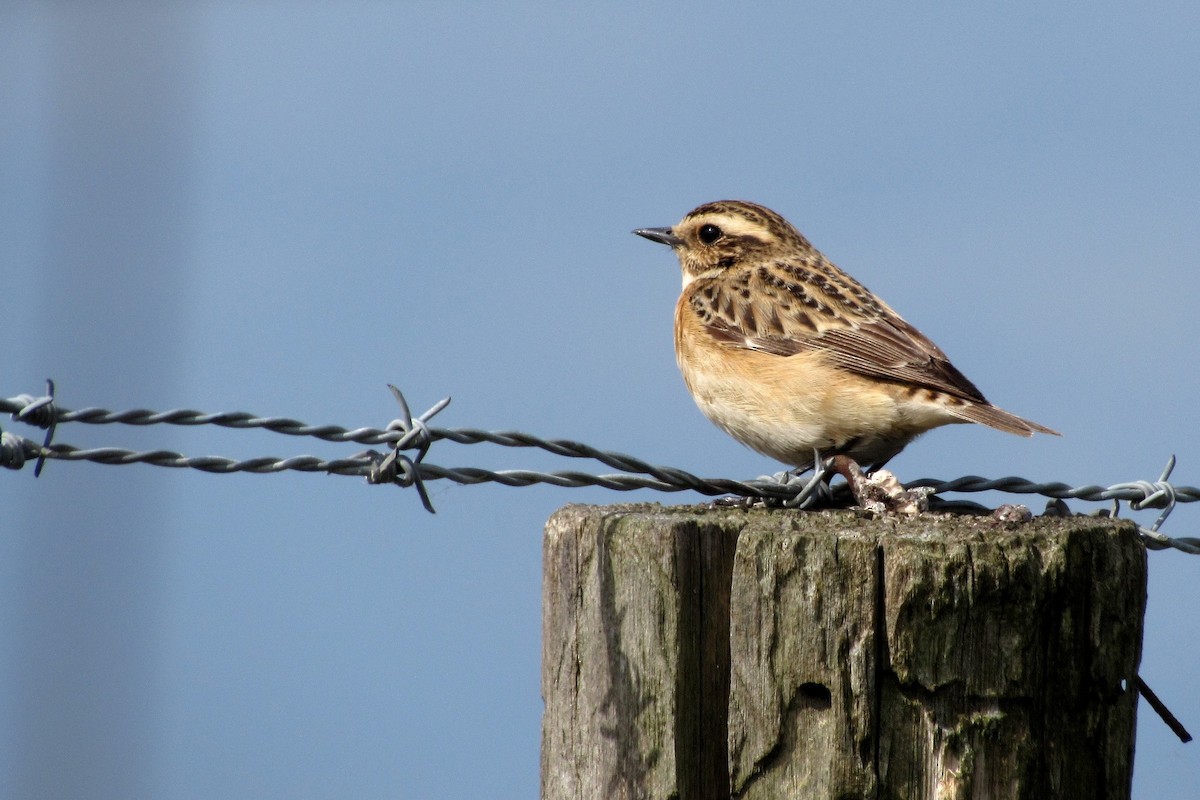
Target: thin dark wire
[(413, 433), (336, 433)]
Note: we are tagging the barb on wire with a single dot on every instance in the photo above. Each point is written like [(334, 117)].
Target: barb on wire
[(40, 411), (1164, 492), (396, 467), (408, 434)]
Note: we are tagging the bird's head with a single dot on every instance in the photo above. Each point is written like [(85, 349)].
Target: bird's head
[(717, 236)]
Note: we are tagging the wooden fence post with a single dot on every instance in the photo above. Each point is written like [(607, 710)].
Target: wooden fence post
[(693, 653)]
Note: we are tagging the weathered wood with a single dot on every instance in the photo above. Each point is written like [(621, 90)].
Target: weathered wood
[(699, 653), (635, 655), (805, 651)]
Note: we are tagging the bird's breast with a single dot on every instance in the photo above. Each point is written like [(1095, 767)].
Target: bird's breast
[(785, 406)]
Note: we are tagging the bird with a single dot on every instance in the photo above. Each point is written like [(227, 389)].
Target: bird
[(797, 360)]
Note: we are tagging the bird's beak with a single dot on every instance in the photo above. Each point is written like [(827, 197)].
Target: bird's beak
[(660, 235)]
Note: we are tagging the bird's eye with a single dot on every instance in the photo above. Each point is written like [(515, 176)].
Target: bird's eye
[(710, 233)]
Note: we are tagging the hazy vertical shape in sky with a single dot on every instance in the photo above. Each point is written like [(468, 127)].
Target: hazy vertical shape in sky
[(84, 656)]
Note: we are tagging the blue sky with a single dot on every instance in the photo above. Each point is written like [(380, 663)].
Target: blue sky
[(281, 208)]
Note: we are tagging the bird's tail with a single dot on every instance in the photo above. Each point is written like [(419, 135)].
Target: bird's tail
[(1000, 419)]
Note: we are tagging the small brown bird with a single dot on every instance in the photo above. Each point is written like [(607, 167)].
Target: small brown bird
[(788, 354)]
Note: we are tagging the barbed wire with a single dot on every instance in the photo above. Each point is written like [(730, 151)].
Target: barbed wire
[(409, 433)]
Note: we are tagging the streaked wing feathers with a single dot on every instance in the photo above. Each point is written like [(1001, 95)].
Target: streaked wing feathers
[(882, 346), (893, 350)]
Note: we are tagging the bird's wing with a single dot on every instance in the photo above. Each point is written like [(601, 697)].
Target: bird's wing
[(893, 350), (868, 338)]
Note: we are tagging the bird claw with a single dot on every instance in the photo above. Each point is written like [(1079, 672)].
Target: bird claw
[(880, 492)]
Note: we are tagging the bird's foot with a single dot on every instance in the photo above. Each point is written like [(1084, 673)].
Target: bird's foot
[(880, 492)]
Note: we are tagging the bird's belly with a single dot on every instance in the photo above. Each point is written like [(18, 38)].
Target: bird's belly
[(785, 407)]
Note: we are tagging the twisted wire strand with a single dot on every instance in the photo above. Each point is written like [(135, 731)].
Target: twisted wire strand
[(361, 466), (1140, 492), (371, 436), (413, 433), (336, 433), (192, 417)]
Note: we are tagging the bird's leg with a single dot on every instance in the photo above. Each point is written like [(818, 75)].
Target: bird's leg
[(880, 491), (814, 492)]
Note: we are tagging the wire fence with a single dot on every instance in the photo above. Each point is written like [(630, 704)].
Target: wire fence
[(409, 438)]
